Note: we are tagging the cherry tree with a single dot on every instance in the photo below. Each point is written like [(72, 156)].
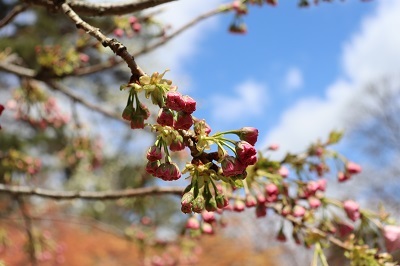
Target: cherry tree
[(52, 152)]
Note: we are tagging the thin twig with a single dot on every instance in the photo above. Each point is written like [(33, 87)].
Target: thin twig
[(117, 47), (95, 107), (29, 230), (5, 65), (13, 13), (89, 195)]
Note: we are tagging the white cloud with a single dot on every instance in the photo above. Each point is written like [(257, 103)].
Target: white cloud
[(248, 100), (293, 79), (370, 54)]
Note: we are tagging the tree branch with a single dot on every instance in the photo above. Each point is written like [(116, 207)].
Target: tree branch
[(13, 13), (117, 47), (6, 65), (104, 9), (95, 107), (89, 195)]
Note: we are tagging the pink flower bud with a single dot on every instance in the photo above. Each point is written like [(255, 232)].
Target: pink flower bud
[(190, 104), (391, 234), (192, 223), (251, 201), (238, 206), (231, 166), (353, 168), (312, 187), (136, 27), (314, 202), (152, 167), (249, 134), (137, 121), (283, 171), (154, 153), (321, 184), (198, 204), (84, 58), (207, 216), (177, 144), (344, 229), (221, 200), (119, 32), (132, 20), (168, 172), (186, 202), (352, 209), (261, 210), (207, 228), (165, 117), (298, 211), (246, 153), (184, 121), (273, 147), (271, 189), (174, 101), (342, 177)]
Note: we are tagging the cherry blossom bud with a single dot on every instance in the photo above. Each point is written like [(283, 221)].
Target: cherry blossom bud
[(251, 201), (238, 206), (184, 121), (281, 236), (222, 201), (353, 168), (84, 58), (174, 101), (168, 172), (136, 27), (321, 184), (165, 117), (391, 234), (177, 144), (207, 216), (273, 147), (246, 153), (211, 204), (152, 167), (342, 177), (261, 210), (312, 187), (137, 122), (314, 202), (298, 211), (119, 32), (271, 189), (283, 171), (231, 166), (1, 108), (352, 209), (128, 112), (249, 134), (132, 20), (154, 153), (207, 228), (192, 223), (344, 229), (190, 104), (198, 204), (186, 202)]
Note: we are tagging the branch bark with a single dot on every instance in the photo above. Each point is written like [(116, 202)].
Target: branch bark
[(89, 195), (13, 13)]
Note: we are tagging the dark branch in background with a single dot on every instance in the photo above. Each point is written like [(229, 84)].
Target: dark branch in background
[(89, 195), (29, 230), (95, 107), (104, 9), (13, 13), (117, 47)]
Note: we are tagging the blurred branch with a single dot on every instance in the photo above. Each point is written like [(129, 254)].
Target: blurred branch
[(117, 47), (95, 107), (13, 13), (29, 229), (89, 195), (6, 65), (104, 9)]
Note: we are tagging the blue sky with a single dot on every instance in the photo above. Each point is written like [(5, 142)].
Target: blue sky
[(293, 75)]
